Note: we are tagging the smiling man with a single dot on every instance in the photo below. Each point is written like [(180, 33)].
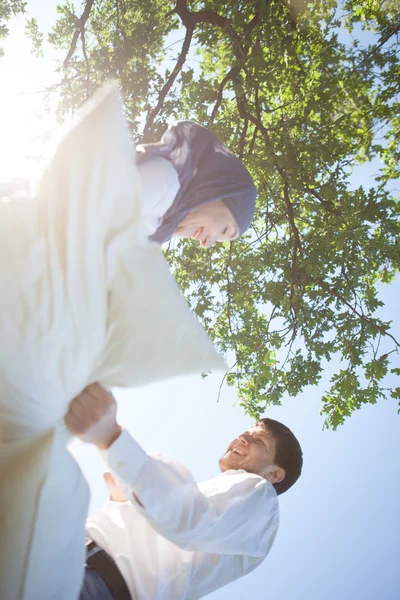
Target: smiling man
[(162, 536), (254, 451)]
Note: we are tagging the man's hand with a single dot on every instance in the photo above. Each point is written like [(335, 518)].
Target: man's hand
[(115, 493), (92, 417)]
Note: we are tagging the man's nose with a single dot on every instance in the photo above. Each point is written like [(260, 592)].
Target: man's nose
[(243, 439)]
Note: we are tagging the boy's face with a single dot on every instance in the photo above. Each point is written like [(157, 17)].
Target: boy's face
[(254, 452)]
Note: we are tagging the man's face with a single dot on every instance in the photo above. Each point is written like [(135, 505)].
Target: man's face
[(253, 451)]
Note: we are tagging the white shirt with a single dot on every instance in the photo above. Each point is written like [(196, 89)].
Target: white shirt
[(189, 539), (160, 184)]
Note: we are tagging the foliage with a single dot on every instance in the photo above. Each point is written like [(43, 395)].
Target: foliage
[(32, 31), (274, 80), (8, 9)]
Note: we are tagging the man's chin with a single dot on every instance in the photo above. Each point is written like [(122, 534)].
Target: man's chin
[(222, 464), (225, 463)]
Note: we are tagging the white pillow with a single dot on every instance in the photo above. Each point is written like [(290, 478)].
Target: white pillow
[(85, 297)]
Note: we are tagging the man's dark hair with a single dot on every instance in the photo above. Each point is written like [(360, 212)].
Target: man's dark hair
[(288, 453)]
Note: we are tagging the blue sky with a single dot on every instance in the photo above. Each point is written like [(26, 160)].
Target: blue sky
[(340, 528)]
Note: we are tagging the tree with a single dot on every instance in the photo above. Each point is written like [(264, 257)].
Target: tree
[(8, 9), (273, 80)]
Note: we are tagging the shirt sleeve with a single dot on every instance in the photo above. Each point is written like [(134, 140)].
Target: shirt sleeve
[(240, 516)]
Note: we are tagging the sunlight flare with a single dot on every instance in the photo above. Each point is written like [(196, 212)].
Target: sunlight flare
[(25, 121)]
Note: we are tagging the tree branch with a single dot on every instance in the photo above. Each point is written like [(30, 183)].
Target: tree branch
[(228, 288), (223, 379), (230, 76), (85, 55), (242, 140), (80, 25), (328, 205), (354, 310), (171, 79), (382, 41), (297, 247), (290, 214), (253, 140), (191, 19)]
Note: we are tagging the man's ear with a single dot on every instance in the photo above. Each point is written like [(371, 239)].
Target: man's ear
[(275, 474)]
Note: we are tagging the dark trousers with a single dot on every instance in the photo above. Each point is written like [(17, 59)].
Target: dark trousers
[(93, 587)]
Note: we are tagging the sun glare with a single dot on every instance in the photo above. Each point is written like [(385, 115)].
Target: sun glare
[(24, 120)]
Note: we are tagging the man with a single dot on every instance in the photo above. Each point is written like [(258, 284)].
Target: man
[(164, 537)]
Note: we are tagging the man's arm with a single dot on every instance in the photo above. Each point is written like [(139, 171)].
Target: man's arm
[(241, 518)]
